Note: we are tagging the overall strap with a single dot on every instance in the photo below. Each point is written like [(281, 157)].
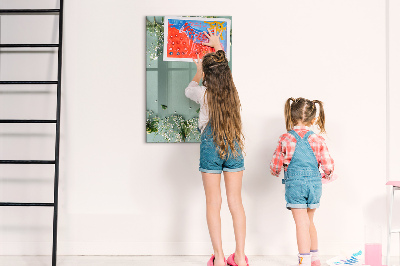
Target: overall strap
[(294, 133), (308, 134), (303, 161), (298, 138)]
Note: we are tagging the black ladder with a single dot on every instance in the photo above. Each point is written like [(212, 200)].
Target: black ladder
[(56, 160)]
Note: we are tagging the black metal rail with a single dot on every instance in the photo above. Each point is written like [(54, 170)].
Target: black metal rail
[(31, 45), (27, 161), (57, 144), (56, 121), (29, 204), (29, 11), (26, 121), (28, 82)]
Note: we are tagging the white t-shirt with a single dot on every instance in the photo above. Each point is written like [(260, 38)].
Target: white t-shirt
[(196, 93)]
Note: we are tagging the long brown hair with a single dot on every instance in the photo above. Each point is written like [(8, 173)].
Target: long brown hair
[(303, 110), (223, 104)]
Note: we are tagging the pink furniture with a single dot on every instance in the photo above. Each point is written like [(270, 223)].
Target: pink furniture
[(394, 185)]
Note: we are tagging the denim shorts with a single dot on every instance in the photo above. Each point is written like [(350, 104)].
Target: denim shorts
[(303, 192), (211, 162)]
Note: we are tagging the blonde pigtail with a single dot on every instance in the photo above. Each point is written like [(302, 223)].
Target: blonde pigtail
[(321, 116), (288, 114)]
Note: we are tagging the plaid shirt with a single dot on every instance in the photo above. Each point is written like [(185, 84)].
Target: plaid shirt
[(287, 144)]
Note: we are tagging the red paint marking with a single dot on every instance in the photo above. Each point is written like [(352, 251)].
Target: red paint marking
[(179, 41)]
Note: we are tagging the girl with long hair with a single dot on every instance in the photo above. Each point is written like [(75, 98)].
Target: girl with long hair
[(221, 147)]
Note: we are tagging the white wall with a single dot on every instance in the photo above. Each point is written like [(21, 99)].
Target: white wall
[(120, 195)]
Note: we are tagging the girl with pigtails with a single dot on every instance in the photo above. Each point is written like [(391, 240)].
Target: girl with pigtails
[(302, 153)]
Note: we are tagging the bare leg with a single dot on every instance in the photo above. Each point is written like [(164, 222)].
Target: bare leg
[(233, 184), (212, 188), (313, 230), (302, 230)]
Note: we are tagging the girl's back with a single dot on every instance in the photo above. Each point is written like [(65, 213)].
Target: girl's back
[(301, 152), (287, 145)]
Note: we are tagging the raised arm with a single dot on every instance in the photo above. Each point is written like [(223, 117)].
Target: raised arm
[(199, 73), (213, 39)]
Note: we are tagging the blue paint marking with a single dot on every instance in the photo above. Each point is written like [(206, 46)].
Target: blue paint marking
[(351, 261)]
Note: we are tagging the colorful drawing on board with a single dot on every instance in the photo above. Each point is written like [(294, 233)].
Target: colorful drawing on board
[(183, 37)]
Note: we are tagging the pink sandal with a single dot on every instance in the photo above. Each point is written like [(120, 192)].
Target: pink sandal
[(231, 260), (211, 261)]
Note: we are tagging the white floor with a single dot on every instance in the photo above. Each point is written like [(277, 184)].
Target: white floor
[(135, 260), (144, 260)]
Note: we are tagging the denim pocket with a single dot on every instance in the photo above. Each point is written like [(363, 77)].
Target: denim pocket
[(317, 189), (293, 190)]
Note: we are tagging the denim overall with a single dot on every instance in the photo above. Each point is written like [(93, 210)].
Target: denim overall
[(303, 187), (211, 162)]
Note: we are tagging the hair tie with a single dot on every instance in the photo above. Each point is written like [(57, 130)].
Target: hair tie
[(219, 64)]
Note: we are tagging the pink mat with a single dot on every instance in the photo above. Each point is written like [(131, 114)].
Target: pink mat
[(393, 183)]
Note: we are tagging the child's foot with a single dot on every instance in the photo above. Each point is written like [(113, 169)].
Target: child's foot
[(237, 260), (241, 261), (216, 261), (316, 263), (314, 258), (304, 260)]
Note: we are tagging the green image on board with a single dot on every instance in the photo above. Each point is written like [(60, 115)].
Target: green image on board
[(171, 117)]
